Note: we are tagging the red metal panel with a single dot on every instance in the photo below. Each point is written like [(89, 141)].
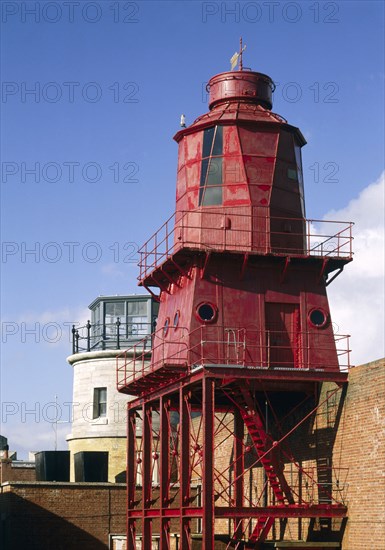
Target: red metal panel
[(231, 146), (255, 141)]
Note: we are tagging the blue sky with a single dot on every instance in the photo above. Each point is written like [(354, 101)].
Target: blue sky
[(111, 80)]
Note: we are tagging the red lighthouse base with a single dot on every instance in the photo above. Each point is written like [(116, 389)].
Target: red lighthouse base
[(223, 455)]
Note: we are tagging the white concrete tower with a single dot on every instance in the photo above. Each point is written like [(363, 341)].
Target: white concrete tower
[(99, 411)]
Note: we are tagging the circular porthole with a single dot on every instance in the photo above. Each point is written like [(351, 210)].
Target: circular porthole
[(176, 319), (166, 326), (318, 317), (206, 312)]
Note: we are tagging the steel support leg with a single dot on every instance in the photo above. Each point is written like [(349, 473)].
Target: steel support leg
[(164, 471), (184, 466), (208, 464), (131, 477), (239, 470), (147, 476)]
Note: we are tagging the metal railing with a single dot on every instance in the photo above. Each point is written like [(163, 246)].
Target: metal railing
[(228, 231), (313, 487), (208, 345), (118, 335)]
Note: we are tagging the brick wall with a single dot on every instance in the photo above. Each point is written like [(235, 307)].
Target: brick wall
[(60, 516), (11, 471), (360, 447)]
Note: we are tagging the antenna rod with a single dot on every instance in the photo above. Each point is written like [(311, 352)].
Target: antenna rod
[(240, 55)]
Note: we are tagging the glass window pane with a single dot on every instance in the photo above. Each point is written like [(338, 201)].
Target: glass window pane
[(137, 325), (212, 196), (207, 141), (132, 308), (214, 176), (114, 309), (218, 145), (96, 314), (205, 164), (292, 174), (100, 402), (142, 308)]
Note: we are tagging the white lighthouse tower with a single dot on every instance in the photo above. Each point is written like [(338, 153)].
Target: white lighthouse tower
[(99, 410)]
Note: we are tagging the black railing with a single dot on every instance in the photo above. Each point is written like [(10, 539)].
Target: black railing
[(109, 335)]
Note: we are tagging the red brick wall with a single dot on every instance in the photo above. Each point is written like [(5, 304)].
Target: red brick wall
[(360, 447), (9, 472), (60, 516)]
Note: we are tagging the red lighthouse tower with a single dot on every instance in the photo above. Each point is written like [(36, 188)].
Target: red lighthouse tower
[(244, 338)]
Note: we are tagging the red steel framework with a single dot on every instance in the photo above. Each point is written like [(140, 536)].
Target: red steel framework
[(229, 391)]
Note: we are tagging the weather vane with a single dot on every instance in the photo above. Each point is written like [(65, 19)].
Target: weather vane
[(238, 57)]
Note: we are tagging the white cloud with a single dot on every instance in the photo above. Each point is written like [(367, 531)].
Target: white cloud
[(356, 297), (64, 315), (35, 436), (44, 328)]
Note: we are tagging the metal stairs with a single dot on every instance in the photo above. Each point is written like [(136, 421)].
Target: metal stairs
[(271, 464)]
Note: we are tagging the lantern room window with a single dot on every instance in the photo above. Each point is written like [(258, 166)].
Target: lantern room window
[(210, 192)]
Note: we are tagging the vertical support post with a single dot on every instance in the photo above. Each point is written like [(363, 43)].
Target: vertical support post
[(131, 477), (73, 338), (88, 326), (164, 471), (239, 470), (265, 479), (118, 323), (147, 474), (184, 466), (208, 463)]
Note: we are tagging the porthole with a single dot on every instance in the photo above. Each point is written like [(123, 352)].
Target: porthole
[(166, 326), (318, 317), (176, 319), (206, 312)]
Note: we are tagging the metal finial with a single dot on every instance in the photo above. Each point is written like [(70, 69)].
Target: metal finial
[(237, 57)]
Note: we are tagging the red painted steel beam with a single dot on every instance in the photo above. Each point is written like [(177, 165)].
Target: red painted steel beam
[(131, 478), (288, 511), (289, 375), (208, 463), (257, 375), (239, 469), (164, 408), (184, 468), (146, 475)]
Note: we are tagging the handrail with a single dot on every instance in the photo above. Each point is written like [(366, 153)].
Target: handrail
[(242, 347), (91, 337), (205, 229)]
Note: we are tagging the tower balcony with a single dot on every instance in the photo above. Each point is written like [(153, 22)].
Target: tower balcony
[(166, 254), (245, 352)]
